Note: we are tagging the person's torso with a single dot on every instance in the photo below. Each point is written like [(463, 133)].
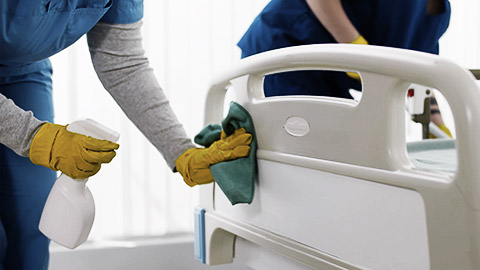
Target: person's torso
[(394, 23)]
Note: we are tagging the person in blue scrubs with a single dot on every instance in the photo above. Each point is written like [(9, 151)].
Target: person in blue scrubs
[(30, 32), (409, 24)]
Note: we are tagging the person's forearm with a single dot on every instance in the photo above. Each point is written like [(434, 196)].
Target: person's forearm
[(120, 63), (332, 16), (17, 127)]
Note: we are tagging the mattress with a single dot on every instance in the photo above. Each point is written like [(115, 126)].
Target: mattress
[(433, 155)]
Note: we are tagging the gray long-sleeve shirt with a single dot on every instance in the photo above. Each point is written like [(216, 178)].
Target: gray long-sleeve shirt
[(123, 69), (17, 127)]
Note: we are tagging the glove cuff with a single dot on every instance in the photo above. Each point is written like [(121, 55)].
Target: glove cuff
[(42, 143), (181, 164), (360, 40)]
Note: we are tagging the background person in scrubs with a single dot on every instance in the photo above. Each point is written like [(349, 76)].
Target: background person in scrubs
[(408, 24), (30, 32)]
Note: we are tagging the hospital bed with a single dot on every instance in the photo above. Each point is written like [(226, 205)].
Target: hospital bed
[(335, 187)]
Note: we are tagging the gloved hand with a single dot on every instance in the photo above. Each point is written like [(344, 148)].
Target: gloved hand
[(75, 155), (359, 40), (194, 164), (444, 128)]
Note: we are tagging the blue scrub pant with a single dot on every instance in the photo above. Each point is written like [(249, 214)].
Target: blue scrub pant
[(24, 187)]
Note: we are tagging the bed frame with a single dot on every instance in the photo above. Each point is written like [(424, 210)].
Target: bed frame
[(335, 188)]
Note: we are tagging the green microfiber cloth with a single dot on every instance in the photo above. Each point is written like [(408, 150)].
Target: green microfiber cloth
[(236, 177)]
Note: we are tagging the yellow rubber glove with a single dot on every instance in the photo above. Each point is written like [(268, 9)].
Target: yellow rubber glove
[(359, 40), (444, 129), (194, 164), (76, 155)]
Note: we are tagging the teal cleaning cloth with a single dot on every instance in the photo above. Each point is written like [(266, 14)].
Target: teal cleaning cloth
[(433, 155), (236, 177)]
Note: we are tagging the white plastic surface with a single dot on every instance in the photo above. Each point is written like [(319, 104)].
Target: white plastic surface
[(337, 214), (356, 150), (69, 211), (257, 257)]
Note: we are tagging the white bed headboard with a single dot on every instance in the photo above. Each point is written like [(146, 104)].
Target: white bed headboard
[(370, 133), (365, 140)]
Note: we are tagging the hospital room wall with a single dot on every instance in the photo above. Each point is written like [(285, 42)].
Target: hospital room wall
[(461, 43), (186, 42)]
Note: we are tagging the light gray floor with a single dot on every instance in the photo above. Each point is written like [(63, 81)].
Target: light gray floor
[(173, 252)]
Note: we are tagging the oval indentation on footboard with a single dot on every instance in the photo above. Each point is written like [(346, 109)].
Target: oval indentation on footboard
[(296, 126)]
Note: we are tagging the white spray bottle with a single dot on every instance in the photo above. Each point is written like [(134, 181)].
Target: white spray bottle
[(68, 214)]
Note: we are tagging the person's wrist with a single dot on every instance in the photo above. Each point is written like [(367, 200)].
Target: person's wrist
[(182, 166)]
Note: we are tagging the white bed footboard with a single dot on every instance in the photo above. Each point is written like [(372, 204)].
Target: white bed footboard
[(335, 188)]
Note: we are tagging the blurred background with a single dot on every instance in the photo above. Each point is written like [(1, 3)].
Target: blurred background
[(186, 41)]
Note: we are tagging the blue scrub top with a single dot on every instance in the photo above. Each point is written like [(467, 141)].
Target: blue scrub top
[(393, 23), (33, 30)]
